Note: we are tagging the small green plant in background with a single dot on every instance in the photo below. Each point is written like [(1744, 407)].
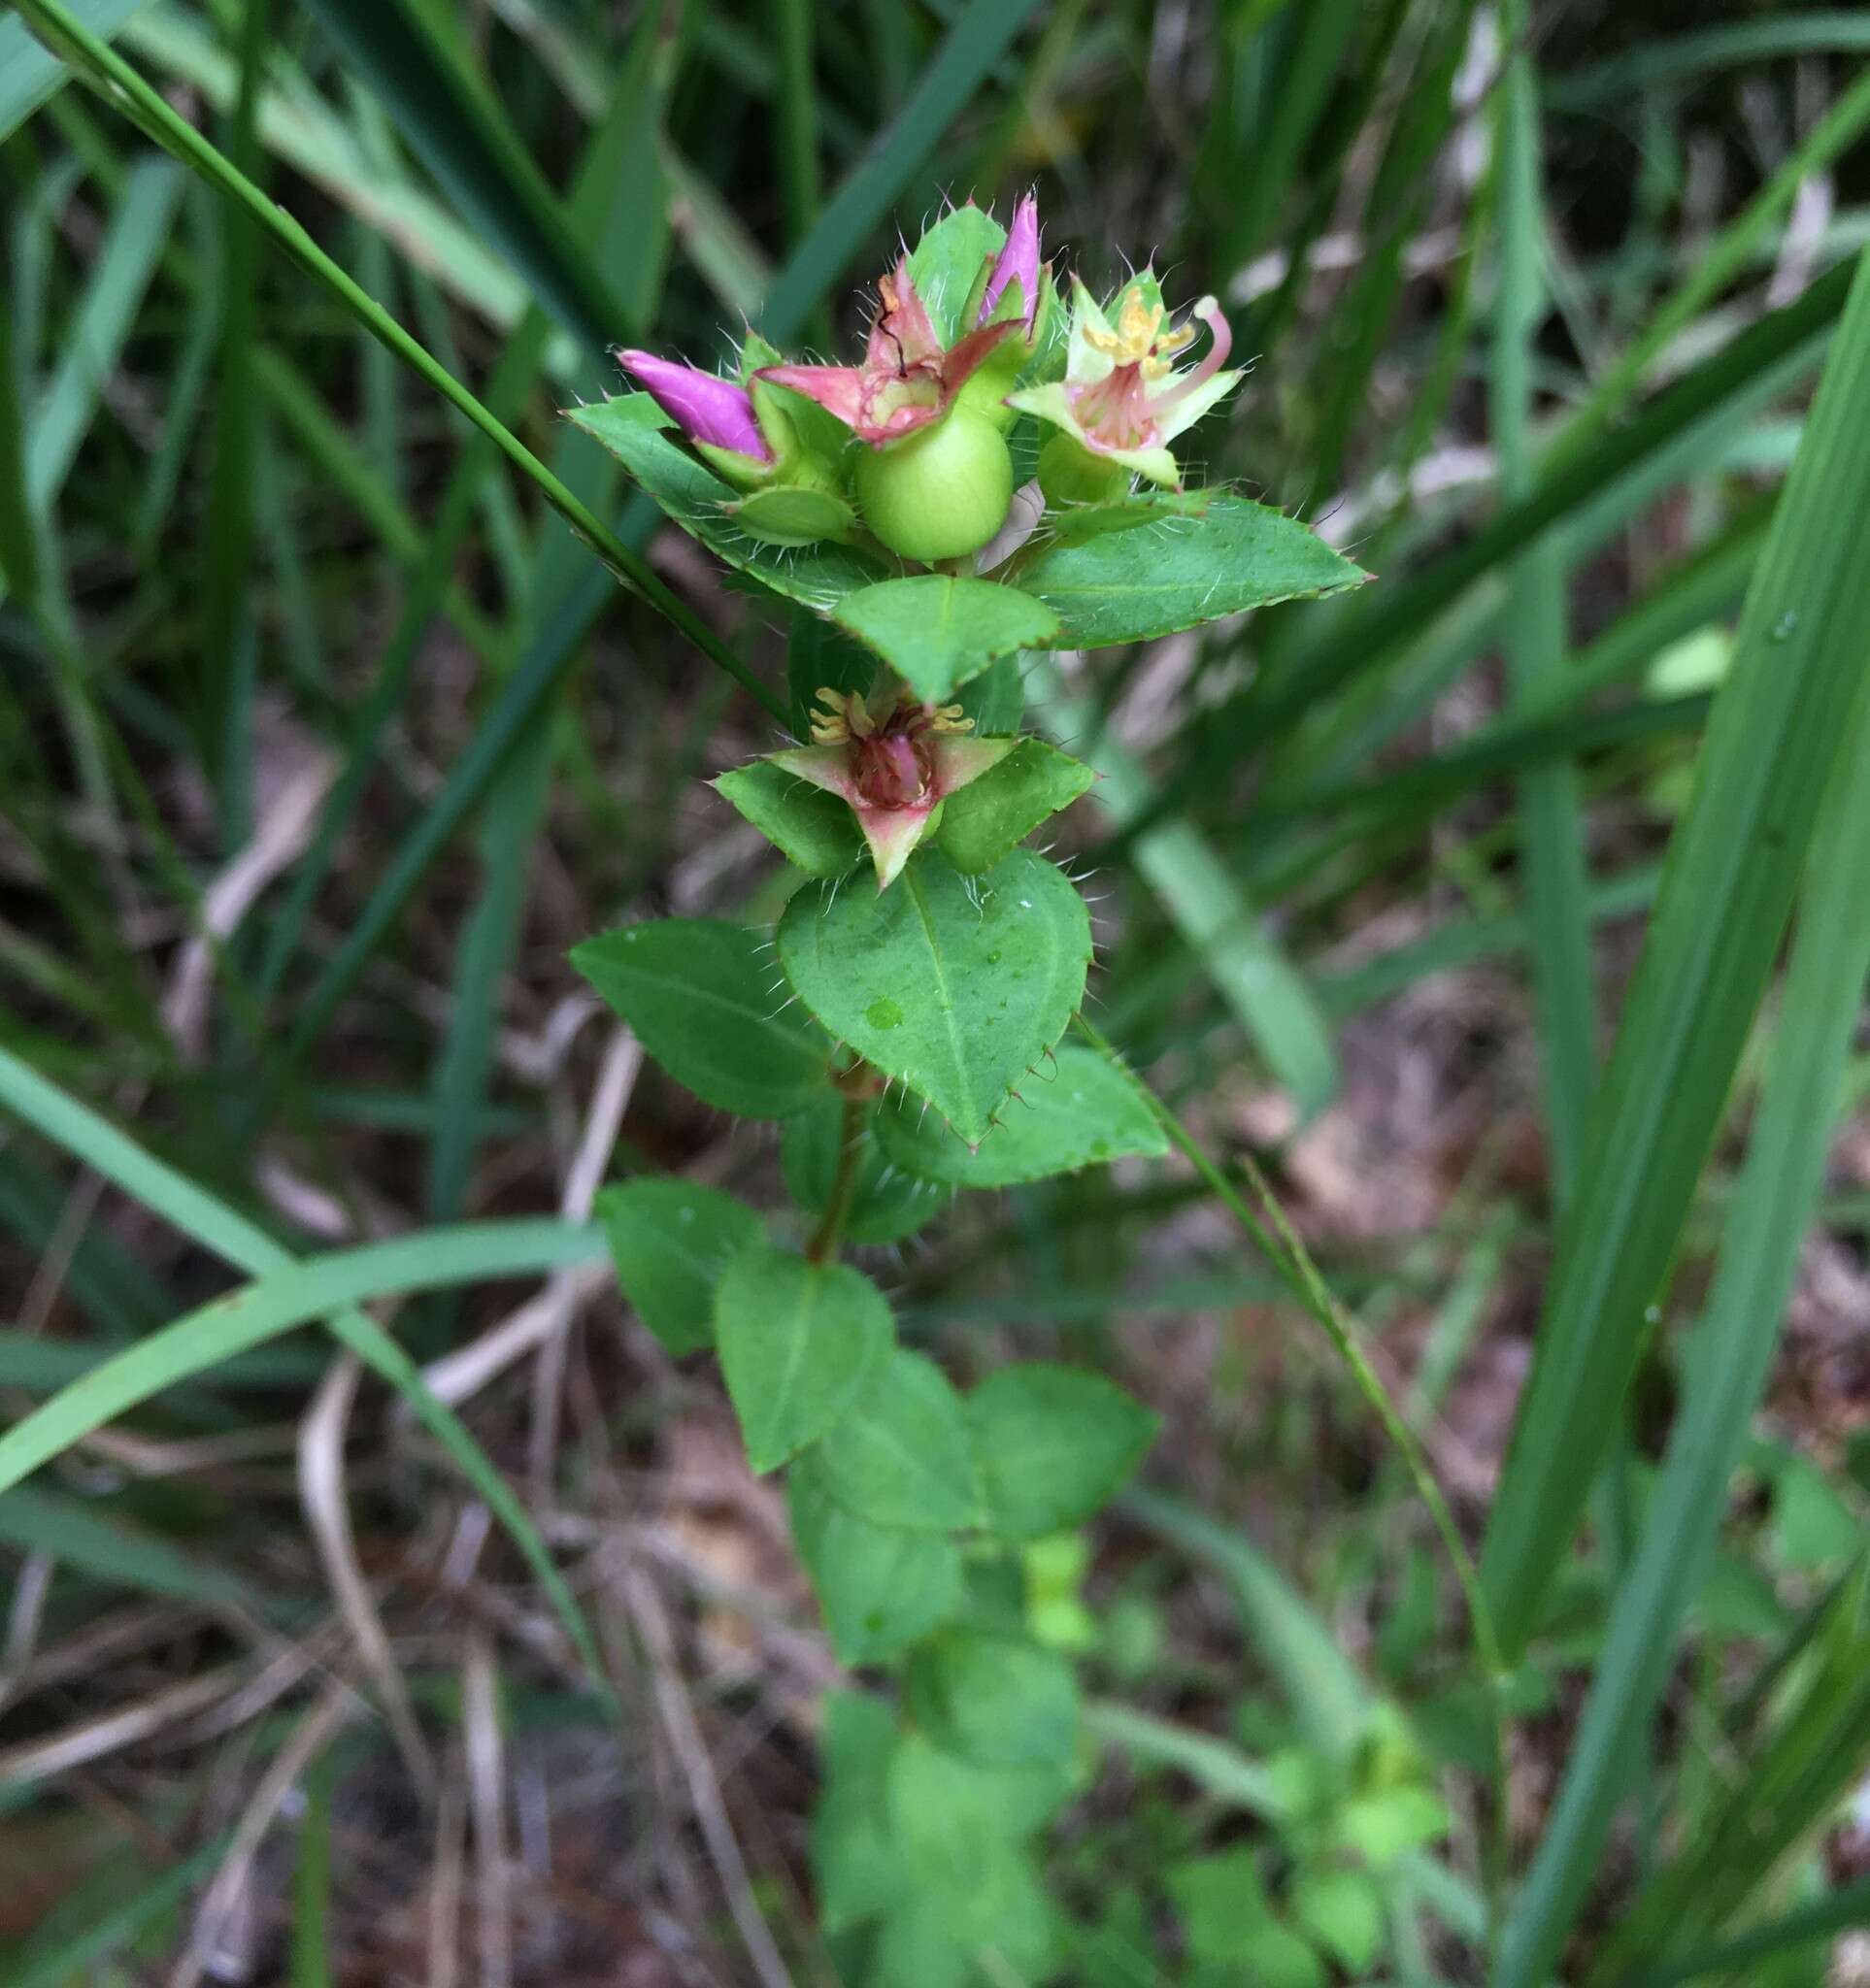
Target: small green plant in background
[(906, 1020)]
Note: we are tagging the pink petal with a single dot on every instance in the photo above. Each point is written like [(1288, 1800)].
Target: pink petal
[(1220, 343), (960, 759), (892, 834), (707, 408), (969, 352), (824, 766), (901, 335), (1019, 258)]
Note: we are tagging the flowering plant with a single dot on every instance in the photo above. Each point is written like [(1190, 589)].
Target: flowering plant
[(907, 1038)]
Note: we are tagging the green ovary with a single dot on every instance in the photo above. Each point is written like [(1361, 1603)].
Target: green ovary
[(939, 493)]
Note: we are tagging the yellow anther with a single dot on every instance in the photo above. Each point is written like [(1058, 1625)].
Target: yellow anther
[(1139, 339)]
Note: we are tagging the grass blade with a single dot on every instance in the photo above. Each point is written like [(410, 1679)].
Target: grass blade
[(977, 41), (130, 93), (98, 1144), (432, 1259), (1842, 1909), (1552, 833), (31, 76), (457, 130), (1777, 730), (1758, 1259), (124, 265), (1261, 987)]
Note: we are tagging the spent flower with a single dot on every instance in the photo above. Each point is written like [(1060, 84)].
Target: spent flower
[(894, 764)]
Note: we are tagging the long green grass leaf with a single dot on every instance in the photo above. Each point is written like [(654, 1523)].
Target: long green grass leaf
[(457, 129), (31, 76), (1733, 867), (126, 260), (65, 1121), (1551, 831), (129, 93), (1733, 1349), (433, 1259)]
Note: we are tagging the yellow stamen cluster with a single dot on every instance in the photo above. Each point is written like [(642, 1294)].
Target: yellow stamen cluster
[(1139, 339), (844, 717), (841, 719)]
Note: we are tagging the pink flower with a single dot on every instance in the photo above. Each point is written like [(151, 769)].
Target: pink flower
[(1122, 398), (907, 379), (894, 766), (710, 410), (1019, 259)]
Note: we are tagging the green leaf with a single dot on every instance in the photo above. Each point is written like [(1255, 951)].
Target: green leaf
[(946, 263), (996, 699), (85, 1535), (955, 987), (1052, 1444), (631, 426), (1078, 522), (703, 1005), (1386, 1826), (1343, 1912), (993, 815), (821, 656), (886, 1204), (1080, 1114), (1219, 1902), (881, 1587), (1274, 1956), (859, 1869), (671, 1239), (809, 827), (937, 632), (1001, 1700), (1812, 1525), (955, 1818), (1134, 585), (899, 1455), (798, 1341), (1000, 1927)]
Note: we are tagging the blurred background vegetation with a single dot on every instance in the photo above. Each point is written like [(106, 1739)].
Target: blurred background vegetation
[(322, 739)]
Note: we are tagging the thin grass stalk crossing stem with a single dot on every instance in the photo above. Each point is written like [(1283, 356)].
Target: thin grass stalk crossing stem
[(1292, 1263)]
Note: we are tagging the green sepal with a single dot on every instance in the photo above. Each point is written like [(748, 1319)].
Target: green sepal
[(992, 815), (792, 514), (809, 828)]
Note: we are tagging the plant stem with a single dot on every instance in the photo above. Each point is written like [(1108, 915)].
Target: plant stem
[(1292, 1263), (844, 1182)]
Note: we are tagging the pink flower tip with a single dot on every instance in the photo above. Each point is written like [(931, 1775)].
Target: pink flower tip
[(1019, 258), (706, 407)]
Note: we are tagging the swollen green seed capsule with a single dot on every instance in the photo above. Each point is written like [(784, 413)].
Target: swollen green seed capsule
[(939, 494), (1070, 474)]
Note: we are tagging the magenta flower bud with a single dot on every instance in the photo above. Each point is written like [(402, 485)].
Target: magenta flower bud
[(708, 408), (1019, 258)]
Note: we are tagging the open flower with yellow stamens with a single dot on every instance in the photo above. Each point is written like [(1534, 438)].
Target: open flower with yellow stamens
[(1121, 402), (894, 764)]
